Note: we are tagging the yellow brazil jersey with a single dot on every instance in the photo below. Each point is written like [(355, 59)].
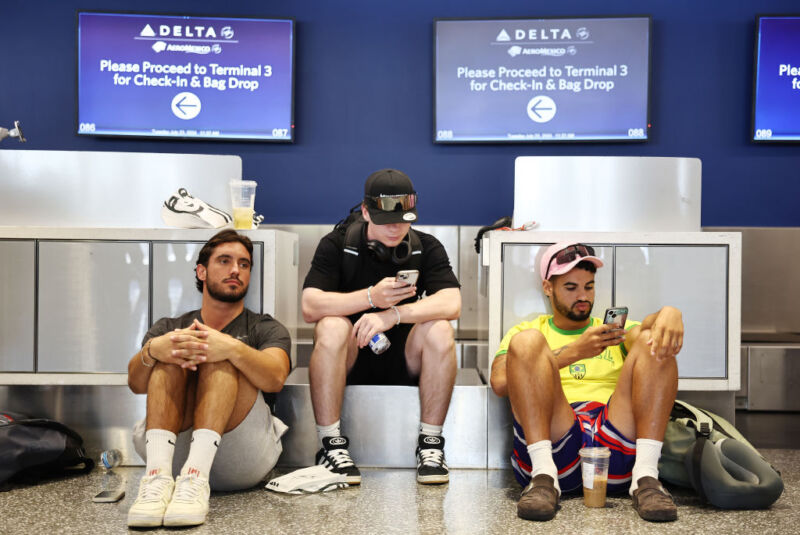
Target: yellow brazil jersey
[(590, 379)]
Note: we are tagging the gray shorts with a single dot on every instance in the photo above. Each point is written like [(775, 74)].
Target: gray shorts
[(245, 456)]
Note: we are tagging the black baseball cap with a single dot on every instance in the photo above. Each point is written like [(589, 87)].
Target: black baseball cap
[(390, 197)]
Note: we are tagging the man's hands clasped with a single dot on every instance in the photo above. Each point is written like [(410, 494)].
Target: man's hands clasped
[(192, 346)]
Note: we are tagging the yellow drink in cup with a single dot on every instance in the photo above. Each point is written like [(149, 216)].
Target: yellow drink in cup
[(243, 199), (243, 218)]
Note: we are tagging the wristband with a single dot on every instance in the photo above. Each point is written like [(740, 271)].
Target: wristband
[(396, 311), (369, 297), (146, 349)]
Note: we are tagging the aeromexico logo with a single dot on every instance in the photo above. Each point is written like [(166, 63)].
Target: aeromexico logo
[(337, 441)]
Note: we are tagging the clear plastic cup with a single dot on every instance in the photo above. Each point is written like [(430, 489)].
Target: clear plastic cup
[(594, 466), (243, 199)]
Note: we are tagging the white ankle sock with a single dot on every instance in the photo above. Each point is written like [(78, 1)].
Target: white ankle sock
[(159, 449), (202, 450), (647, 454), (431, 430), (541, 454), (333, 430)]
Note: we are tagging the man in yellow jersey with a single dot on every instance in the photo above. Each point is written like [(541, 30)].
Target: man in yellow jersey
[(575, 382)]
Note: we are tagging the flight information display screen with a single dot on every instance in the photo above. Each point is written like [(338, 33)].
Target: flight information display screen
[(185, 77), (776, 100), (540, 80)]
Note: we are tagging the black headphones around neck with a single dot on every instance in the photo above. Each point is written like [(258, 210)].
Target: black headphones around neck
[(399, 255)]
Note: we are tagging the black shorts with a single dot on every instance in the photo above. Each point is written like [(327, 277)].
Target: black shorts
[(388, 368)]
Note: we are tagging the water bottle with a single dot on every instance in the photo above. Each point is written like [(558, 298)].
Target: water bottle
[(379, 343), (110, 459)]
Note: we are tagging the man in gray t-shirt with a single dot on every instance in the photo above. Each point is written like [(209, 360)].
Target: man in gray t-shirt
[(203, 374)]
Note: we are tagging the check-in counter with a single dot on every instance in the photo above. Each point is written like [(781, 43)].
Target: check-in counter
[(77, 302), (697, 272)]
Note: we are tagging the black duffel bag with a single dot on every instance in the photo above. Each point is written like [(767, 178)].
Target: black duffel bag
[(36, 448)]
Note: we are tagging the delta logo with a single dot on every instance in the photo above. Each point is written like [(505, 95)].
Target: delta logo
[(197, 31), (540, 34)]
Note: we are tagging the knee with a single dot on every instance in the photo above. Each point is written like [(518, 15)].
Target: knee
[(441, 338), (331, 334), (223, 367), (527, 346)]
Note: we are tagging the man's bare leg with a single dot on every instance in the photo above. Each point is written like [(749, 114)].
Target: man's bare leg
[(334, 354), (541, 408), (640, 408), (431, 356), (534, 388)]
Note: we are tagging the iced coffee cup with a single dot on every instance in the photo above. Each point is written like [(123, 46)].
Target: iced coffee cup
[(243, 197), (594, 465)]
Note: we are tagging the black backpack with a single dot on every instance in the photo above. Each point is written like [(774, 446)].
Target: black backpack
[(37, 448), (352, 227)]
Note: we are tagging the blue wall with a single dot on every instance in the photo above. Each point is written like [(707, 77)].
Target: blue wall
[(363, 101)]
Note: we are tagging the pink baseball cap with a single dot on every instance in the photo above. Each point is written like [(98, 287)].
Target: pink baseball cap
[(561, 257)]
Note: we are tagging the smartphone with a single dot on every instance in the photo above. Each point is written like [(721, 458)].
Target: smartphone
[(616, 315), (409, 276), (109, 496)]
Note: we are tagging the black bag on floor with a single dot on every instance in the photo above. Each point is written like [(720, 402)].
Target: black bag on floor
[(704, 451), (37, 448)]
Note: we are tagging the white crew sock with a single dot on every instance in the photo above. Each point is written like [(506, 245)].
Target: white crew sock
[(159, 449), (202, 450), (333, 430), (541, 454), (430, 430), (647, 454)]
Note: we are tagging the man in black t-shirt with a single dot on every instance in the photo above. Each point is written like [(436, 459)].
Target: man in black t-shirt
[(353, 301), (203, 374)]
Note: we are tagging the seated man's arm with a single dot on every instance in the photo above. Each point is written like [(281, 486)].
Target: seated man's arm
[(666, 332), (443, 305), (159, 348), (317, 304), (266, 369), (497, 377)]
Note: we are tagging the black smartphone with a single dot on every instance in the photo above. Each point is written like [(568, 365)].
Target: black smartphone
[(616, 315), (109, 496)]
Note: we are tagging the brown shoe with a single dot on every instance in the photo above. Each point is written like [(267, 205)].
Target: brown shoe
[(653, 502), (539, 500)]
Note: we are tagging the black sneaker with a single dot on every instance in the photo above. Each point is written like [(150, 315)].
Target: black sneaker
[(431, 468), (335, 457)]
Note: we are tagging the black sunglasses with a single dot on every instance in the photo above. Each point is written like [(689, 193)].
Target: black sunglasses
[(568, 254)]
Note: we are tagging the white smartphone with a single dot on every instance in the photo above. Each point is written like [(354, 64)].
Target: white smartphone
[(617, 315), (109, 496), (409, 276)]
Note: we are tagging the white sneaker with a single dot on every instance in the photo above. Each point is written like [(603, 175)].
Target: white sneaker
[(184, 211), (189, 505), (154, 496)]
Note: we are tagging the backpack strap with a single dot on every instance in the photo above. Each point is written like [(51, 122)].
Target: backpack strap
[(351, 260)]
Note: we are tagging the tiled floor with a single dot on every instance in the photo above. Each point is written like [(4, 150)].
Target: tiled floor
[(390, 501)]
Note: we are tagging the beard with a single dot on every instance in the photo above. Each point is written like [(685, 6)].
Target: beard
[(569, 312), (221, 292)]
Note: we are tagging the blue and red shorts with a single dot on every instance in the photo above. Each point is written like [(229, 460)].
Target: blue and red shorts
[(591, 428)]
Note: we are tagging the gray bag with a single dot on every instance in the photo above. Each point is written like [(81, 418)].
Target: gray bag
[(705, 452)]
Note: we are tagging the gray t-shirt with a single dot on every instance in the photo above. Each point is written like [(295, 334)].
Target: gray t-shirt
[(259, 331)]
